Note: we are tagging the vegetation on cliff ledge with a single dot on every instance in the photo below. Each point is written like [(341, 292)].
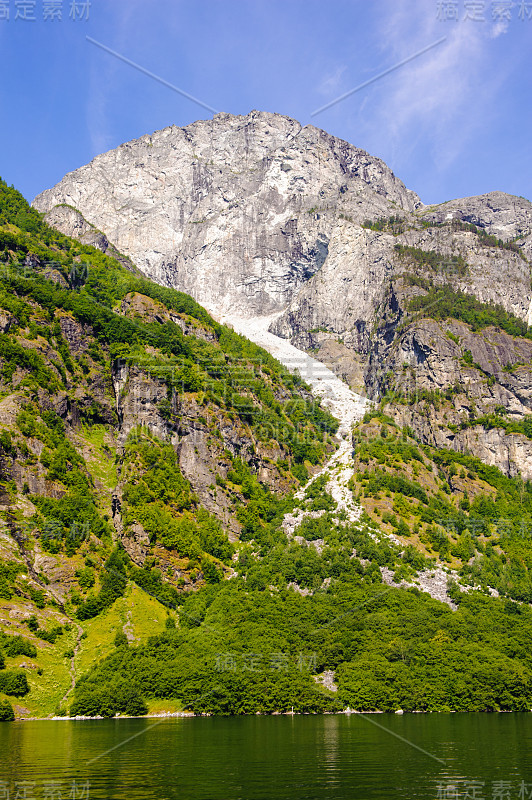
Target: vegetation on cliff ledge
[(148, 457)]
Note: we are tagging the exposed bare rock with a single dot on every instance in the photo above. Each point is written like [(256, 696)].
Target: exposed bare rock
[(55, 276), (74, 333), (257, 216), (433, 582), (238, 211), (5, 322), (136, 543), (502, 215), (327, 680), (443, 394), (138, 305), (72, 223), (343, 300)]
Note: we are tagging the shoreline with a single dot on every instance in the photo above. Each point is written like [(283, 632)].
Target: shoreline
[(190, 714)]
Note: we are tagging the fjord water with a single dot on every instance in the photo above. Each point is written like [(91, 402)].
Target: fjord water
[(272, 758)]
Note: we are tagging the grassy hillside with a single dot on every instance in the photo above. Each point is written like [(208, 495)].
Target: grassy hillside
[(449, 505), (148, 459), (108, 385)]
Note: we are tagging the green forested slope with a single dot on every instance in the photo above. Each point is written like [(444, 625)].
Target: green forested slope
[(89, 463), (148, 456)]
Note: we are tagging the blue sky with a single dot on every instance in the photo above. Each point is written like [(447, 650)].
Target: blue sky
[(452, 122)]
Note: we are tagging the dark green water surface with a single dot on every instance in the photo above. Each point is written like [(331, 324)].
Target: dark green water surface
[(449, 756)]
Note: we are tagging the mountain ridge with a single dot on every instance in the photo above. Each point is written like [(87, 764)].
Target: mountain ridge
[(257, 215), (192, 174), (176, 505)]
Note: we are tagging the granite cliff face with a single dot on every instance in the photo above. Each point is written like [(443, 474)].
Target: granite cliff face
[(253, 214), (344, 296), (237, 211), (457, 388), (257, 216)]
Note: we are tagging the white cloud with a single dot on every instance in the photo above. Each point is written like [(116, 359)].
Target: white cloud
[(331, 85), (499, 28), (442, 96)]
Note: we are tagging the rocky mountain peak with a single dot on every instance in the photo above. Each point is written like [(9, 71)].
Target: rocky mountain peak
[(258, 216), (500, 214), (238, 211)]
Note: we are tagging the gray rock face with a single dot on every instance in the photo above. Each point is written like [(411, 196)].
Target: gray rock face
[(258, 216), (236, 211), (344, 297), (251, 215), (72, 223), (502, 215), (465, 404)]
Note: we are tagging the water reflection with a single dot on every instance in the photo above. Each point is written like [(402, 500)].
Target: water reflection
[(271, 757)]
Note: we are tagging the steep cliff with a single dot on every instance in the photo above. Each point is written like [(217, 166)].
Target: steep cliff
[(257, 215), (236, 211)]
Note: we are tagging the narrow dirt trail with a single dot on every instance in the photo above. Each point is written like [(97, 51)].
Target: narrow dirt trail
[(73, 665)]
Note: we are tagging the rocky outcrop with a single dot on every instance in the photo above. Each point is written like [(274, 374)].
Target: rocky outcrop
[(236, 211), (443, 377), (71, 222), (139, 306), (343, 299), (500, 214), (258, 216)]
